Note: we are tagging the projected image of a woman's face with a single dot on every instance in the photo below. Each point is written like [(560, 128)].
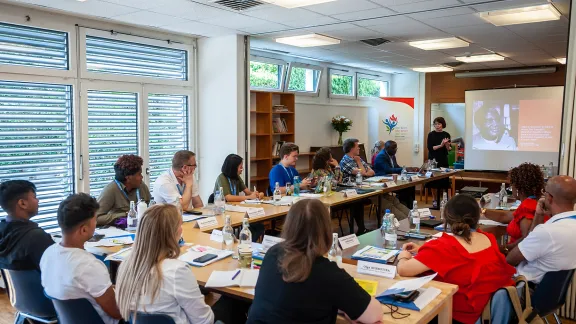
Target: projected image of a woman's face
[(491, 125)]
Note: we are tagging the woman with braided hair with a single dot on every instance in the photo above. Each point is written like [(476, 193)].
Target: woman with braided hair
[(469, 258), (527, 181)]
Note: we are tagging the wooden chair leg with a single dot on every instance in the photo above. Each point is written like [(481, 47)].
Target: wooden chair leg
[(426, 195)]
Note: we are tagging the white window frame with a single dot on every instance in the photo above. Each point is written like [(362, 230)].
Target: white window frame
[(332, 71), (146, 91), (267, 60), (53, 25), (305, 66), (85, 74), (370, 77)]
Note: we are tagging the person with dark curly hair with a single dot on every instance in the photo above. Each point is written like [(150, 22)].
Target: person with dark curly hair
[(127, 186), (527, 182)]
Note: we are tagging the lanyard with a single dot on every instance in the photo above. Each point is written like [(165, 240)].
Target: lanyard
[(572, 217), (124, 192), (289, 174), (232, 190), (181, 191)]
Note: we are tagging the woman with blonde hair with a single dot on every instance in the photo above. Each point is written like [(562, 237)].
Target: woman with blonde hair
[(153, 280), (297, 284)]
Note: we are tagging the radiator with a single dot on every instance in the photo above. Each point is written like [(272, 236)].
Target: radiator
[(569, 309)]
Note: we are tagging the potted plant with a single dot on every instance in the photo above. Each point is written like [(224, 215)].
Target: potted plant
[(341, 124)]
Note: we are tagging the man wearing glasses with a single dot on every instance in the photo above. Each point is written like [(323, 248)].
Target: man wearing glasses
[(177, 186), (549, 246)]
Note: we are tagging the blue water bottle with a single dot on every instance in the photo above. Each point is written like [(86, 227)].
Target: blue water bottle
[(296, 186)]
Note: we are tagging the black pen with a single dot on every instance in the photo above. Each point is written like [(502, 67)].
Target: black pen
[(236, 274)]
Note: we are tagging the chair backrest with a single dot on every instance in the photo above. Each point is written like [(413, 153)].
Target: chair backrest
[(550, 294), (73, 311), (26, 293), (144, 318)]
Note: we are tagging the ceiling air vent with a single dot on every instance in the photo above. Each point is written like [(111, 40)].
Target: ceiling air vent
[(453, 64), (239, 5), (375, 41)]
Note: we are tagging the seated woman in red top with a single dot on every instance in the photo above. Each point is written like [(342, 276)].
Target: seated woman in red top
[(470, 259), (527, 182)]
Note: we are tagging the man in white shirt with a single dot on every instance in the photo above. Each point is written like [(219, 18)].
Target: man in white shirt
[(177, 186), (70, 272), (549, 246)]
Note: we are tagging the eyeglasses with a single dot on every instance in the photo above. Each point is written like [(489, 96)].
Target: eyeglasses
[(191, 165), (544, 192)]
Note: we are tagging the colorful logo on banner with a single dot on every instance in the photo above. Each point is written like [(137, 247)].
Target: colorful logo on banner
[(391, 123)]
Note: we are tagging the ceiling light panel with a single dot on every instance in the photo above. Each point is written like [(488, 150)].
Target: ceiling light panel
[(308, 40), (561, 60), (524, 15), (480, 58), (296, 3), (433, 69), (441, 43)]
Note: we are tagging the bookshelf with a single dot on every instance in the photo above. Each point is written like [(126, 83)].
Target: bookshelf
[(267, 127)]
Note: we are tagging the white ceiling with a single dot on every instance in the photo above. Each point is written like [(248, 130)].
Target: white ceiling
[(399, 21)]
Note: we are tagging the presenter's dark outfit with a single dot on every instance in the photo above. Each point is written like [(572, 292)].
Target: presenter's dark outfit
[(441, 155)]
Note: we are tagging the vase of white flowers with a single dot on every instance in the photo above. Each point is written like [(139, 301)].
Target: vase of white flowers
[(341, 124)]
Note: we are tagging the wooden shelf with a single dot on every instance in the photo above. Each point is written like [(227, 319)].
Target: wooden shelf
[(257, 134), (258, 178), (259, 112), (280, 134), (254, 159), (283, 112)]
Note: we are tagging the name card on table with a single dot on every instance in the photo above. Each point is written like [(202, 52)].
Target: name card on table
[(429, 174), (376, 269), (414, 178), (348, 241), (206, 222), (390, 184), (217, 236), (425, 212), (349, 193), (255, 212), (270, 241)]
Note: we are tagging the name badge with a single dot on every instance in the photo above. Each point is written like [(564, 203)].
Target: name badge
[(206, 222), (425, 212), (349, 193), (414, 178), (255, 212), (376, 269), (217, 236), (390, 184), (348, 241), (270, 241), (429, 174)]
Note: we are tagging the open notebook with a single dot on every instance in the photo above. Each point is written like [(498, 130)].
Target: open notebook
[(246, 278)]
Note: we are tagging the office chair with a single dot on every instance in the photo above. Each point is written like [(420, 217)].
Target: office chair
[(73, 311), (25, 292), (550, 294), (146, 318)]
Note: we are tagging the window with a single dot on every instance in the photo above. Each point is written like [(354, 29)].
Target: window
[(341, 84), (267, 74), (33, 47), (303, 78), (167, 130), (370, 87), (36, 142), (112, 131), (105, 55)]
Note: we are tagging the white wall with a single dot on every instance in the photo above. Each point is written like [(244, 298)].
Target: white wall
[(221, 109), (455, 115)]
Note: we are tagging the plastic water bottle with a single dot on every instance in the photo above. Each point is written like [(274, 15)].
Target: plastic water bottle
[(503, 197), (385, 220), (390, 236), (359, 178), (245, 234), (141, 209), (551, 170), (443, 204), (415, 216), (277, 193), (288, 189), (335, 253), (132, 219), (228, 235), (152, 202), (327, 186), (296, 186), (404, 174), (219, 203)]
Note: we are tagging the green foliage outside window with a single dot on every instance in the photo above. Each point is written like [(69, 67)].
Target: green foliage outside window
[(265, 75), (369, 88), (342, 85), (297, 79)]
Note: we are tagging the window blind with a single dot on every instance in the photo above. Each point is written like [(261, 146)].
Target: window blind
[(36, 143), (167, 130), (27, 46), (118, 57), (112, 132)]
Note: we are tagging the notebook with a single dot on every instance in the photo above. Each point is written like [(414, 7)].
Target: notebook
[(375, 254), (198, 251), (246, 278)]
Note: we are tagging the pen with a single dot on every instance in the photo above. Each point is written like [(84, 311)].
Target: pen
[(236, 274)]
